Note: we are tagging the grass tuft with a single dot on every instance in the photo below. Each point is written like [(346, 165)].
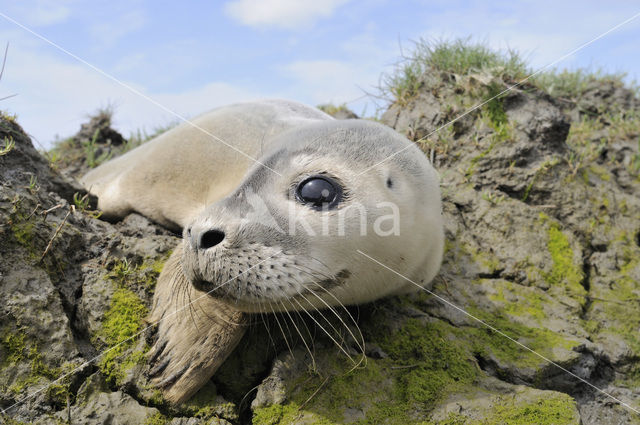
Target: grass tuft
[(460, 56), (9, 144), (572, 84), (463, 57)]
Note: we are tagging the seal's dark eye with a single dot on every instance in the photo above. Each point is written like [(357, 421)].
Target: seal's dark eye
[(319, 192)]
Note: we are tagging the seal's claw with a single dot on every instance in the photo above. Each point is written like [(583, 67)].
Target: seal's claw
[(159, 367), (193, 340)]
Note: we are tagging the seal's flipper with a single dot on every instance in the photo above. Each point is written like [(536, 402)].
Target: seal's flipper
[(196, 333)]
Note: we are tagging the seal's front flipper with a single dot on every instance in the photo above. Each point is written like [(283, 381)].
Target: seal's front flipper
[(196, 333)]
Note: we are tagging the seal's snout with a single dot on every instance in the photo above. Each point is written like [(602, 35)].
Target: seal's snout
[(204, 239)]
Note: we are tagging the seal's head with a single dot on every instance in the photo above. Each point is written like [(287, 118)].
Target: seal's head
[(291, 241)]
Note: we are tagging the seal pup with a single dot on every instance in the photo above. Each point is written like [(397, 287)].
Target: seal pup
[(274, 198)]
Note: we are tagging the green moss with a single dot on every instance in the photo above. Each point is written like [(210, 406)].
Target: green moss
[(423, 366), (23, 233), (38, 367), (565, 272), (558, 410), (529, 302), (452, 419), (120, 324), (487, 343), (144, 275), (14, 347), (158, 264), (205, 405), (157, 419), (156, 398), (601, 172), (10, 421), (440, 364), (427, 361), (289, 414), (619, 302), (19, 348)]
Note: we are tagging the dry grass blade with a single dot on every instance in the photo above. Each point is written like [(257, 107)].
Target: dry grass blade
[(71, 209)]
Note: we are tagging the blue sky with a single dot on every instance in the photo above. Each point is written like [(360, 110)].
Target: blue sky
[(193, 56)]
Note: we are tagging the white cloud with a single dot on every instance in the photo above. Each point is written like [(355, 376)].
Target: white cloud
[(56, 94), (109, 33), (42, 12), (348, 77), (287, 14), (324, 80)]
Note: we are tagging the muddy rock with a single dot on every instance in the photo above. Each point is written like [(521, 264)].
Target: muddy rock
[(74, 292)]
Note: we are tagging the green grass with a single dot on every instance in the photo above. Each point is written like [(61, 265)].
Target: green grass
[(460, 56), (332, 109), (69, 151), (572, 84), (141, 136), (463, 56), (9, 144)]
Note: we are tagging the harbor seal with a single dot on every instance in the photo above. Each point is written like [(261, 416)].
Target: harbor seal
[(274, 199)]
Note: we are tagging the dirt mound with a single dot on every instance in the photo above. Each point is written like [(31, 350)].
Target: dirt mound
[(93, 144)]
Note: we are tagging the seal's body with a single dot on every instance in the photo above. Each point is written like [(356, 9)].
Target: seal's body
[(275, 199), (174, 176)]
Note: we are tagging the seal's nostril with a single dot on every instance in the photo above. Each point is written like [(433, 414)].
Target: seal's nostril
[(211, 238)]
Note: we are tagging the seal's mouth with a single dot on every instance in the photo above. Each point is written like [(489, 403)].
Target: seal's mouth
[(204, 286), (270, 294)]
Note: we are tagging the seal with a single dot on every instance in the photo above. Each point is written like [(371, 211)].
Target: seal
[(274, 199)]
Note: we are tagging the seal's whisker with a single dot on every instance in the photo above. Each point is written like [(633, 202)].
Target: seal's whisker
[(266, 327), (181, 293), (177, 286), (286, 341), (191, 308), (322, 264), (300, 293), (363, 357), (360, 340), (311, 339), (325, 331), (304, 341)]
